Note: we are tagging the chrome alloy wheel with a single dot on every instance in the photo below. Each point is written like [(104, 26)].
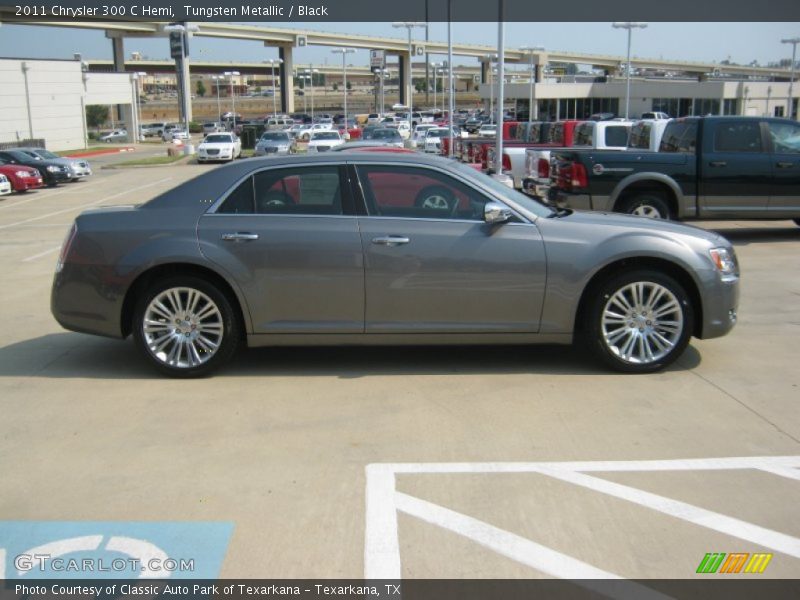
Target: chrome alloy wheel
[(182, 327), (642, 322), (646, 210)]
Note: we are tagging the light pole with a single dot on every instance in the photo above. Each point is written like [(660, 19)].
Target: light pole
[(310, 74), (629, 25), (530, 50), (304, 79), (344, 52), (272, 62), (409, 25), (491, 58), (231, 75), (793, 41), (383, 74), (435, 81), (216, 79), (138, 108)]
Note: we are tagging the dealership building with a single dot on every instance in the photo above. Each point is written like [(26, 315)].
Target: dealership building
[(47, 99), (677, 98)]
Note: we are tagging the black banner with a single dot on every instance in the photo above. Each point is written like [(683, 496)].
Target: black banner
[(292, 11), (708, 588)]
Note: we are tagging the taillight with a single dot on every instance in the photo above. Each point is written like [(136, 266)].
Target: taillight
[(66, 246), (506, 162), (543, 168), (579, 177)]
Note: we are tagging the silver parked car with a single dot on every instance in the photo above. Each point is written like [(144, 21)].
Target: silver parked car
[(273, 143), (385, 249), (78, 167)]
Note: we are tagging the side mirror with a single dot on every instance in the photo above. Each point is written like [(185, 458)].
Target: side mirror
[(495, 213)]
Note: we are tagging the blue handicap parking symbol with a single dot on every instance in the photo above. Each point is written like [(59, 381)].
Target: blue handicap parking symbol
[(112, 549)]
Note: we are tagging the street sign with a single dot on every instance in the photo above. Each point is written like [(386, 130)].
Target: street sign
[(419, 50), (377, 59)]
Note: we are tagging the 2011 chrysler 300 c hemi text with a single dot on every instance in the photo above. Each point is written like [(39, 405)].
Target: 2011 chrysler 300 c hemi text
[(376, 249)]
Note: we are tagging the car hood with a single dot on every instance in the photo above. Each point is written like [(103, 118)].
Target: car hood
[(216, 145), (630, 223)]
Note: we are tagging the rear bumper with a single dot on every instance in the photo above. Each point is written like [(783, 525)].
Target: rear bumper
[(564, 199)]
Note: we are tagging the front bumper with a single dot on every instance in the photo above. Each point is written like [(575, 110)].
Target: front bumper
[(720, 306), (23, 184), (5, 188)]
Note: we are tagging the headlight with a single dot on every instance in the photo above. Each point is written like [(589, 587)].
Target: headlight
[(23, 174), (53, 169), (724, 260)]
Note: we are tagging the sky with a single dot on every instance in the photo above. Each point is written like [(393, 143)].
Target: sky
[(706, 42)]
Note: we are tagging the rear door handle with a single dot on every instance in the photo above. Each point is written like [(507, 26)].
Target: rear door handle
[(390, 240), (784, 165), (718, 163), (239, 236)]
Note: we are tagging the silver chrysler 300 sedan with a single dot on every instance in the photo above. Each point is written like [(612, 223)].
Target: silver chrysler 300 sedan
[(364, 248)]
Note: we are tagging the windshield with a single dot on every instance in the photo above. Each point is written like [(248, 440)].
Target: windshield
[(218, 139), (326, 135), (385, 134), (438, 133), (275, 136), (46, 154), (503, 190)]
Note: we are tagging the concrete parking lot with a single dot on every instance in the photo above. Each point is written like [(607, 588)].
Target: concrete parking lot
[(434, 462)]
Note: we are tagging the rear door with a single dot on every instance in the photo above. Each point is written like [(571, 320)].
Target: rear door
[(433, 265), (289, 237), (735, 170), (784, 199)]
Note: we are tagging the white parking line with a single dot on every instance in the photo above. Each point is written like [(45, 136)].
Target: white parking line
[(59, 212), (381, 541), (48, 195), (41, 254)]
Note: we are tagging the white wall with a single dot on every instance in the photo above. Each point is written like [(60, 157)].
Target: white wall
[(53, 106)]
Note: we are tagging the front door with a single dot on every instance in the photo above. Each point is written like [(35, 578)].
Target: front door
[(434, 266)]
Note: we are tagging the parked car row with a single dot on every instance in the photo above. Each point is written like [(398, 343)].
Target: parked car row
[(30, 168)]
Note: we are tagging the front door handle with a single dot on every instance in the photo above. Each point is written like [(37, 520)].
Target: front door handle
[(239, 236), (718, 163), (390, 240), (784, 165)]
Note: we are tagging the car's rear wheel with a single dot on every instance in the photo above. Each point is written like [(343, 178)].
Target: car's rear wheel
[(647, 204), (185, 326), (640, 321)]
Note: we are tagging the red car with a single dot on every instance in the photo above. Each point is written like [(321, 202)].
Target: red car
[(22, 178)]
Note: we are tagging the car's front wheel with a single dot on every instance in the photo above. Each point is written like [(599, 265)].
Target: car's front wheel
[(640, 321), (185, 326)]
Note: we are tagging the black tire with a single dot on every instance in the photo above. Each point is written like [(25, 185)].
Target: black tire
[(228, 339), (646, 204), (436, 197), (608, 340)]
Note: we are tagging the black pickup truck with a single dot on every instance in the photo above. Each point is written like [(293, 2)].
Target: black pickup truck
[(706, 168)]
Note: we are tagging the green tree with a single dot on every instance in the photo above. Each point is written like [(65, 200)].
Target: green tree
[(201, 88), (349, 86), (335, 87), (96, 115)]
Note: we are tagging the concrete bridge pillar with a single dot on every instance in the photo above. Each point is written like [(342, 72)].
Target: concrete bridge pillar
[(287, 79)]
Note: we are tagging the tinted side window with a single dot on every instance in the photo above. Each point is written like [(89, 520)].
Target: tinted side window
[(616, 136), (240, 200), (413, 192), (298, 191), (785, 137), (738, 137), (679, 136), (583, 135)]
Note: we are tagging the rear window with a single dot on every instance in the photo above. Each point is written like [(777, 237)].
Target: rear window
[(640, 136), (679, 136), (556, 135), (616, 135)]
